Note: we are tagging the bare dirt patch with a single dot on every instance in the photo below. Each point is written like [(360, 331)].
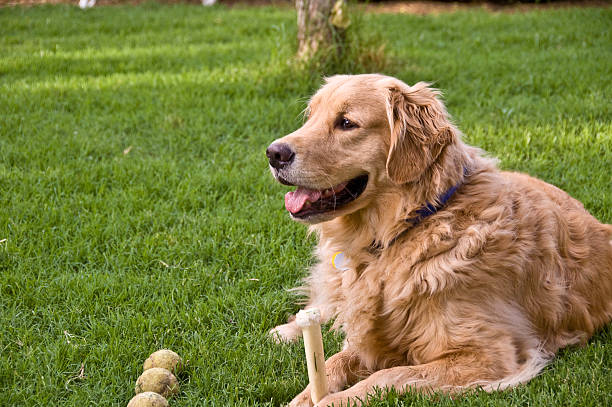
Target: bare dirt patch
[(434, 7)]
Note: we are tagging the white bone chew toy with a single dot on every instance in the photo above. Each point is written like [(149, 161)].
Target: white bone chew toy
[(310, 322)]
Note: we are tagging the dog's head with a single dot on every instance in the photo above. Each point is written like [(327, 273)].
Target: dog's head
[(363, 134)]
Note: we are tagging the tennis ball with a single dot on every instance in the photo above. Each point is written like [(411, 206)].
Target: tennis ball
[(148, 399), (166, 359), (158, 380)]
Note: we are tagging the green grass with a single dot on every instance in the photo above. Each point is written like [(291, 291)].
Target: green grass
[(183, 242)]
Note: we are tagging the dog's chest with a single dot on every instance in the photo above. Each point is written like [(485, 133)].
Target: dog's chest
[(357, 284), (376, 304)]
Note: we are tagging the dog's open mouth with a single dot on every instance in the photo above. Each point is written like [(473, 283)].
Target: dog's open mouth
[(305, 202)]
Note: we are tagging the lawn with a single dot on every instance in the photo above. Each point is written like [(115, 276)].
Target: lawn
[(137, 211)]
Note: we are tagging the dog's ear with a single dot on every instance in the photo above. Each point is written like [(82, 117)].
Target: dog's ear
[(420, 129)]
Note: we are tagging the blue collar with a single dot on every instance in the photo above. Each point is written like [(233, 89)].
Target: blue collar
[(425, 211), (429, 209)]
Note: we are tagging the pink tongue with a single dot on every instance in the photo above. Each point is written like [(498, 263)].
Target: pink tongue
[(295, 200)]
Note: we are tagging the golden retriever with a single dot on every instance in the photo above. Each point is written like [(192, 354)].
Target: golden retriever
[(455, 274)]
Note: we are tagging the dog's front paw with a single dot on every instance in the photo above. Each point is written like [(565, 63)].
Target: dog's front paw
[(285, 333), (334, 400), (347, 398), (302, 400)]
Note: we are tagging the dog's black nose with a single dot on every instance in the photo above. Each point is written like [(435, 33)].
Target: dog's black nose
[(280, 155)]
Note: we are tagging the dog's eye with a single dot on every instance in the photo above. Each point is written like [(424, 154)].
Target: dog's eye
[(346, 124)]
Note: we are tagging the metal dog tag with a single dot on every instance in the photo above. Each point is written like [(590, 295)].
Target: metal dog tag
[(339, 261)]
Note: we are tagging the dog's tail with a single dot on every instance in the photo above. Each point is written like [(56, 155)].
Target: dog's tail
[(537, 361)]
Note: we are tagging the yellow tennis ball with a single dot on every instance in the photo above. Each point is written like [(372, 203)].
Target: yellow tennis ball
[(158, 380), (148, 399), (164, 358)]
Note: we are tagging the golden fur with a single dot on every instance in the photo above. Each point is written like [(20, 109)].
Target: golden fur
[(482, 293)]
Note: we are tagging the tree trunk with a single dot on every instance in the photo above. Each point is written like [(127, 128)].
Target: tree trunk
[(315, 30)]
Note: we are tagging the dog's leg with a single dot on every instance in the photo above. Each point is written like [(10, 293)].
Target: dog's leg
[(286, 333), (403, 378), (450, 374), (342, 369), (290, 332)]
